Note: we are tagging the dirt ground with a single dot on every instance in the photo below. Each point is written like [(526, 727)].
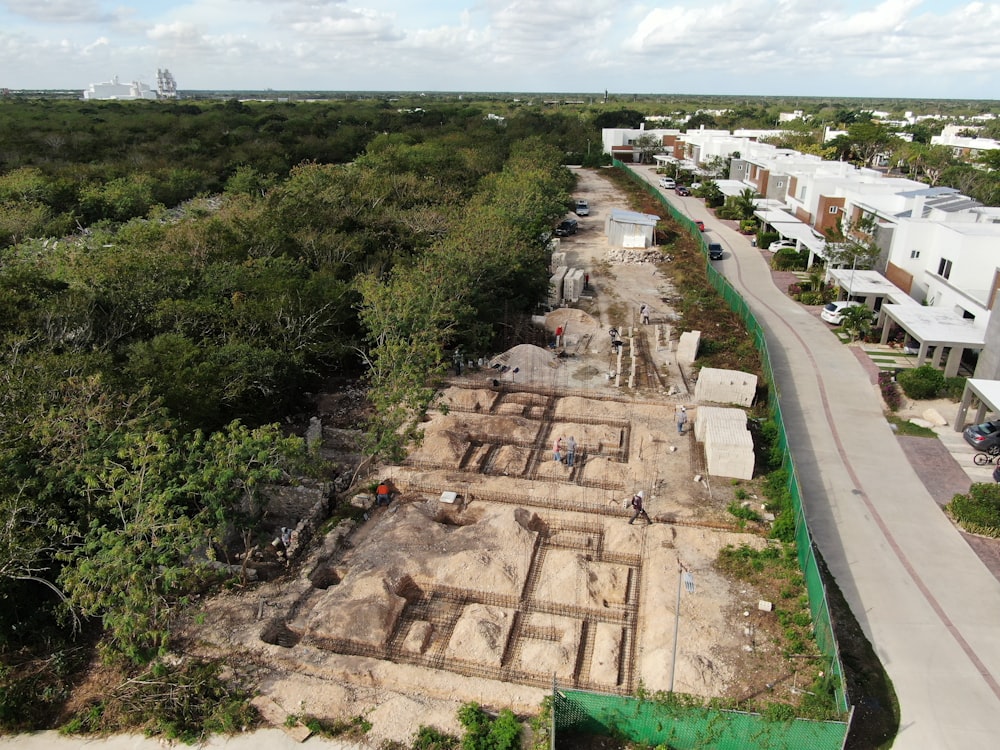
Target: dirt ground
[(530, 569)]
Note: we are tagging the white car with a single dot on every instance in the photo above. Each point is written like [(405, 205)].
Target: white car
[(582, 207), (833, 312), (667, 182), (781, 245)]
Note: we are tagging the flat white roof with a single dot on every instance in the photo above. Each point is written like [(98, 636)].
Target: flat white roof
[(868, 283), (987, 390), (937, 327)]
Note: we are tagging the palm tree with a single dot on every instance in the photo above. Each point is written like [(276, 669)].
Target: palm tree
[(744, 203)]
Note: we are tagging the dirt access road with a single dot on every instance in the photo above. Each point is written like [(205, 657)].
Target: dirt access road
[(534, 570)]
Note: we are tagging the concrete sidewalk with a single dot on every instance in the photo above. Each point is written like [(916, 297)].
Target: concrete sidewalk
[(927, 603)]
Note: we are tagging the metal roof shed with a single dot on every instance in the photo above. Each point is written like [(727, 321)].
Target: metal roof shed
[(630, 228)]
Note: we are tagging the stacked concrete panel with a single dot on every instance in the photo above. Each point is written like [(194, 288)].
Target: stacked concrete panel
[(558, 259), (706, 415), (556, 285), (725, 386), (728, 442), (687, 347), (573, 285)]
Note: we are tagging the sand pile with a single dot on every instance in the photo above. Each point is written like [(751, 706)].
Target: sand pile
[(574, 322)]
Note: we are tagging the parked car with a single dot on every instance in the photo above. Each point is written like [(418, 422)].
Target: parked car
[(983, 437), (566, 228), (667, 182), (582, 207), (700, 224), (833, 312), (780, 245), (714, 251), (682, 190)]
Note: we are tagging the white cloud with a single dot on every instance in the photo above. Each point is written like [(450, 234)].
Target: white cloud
[(59, 11), (844, 47)]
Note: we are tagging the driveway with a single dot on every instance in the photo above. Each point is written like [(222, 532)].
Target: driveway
[(925, 600)]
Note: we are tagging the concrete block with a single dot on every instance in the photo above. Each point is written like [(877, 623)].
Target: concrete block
[(687, 347), (934, 417), (765, 606), (703, 416), (726, 386), (729, 451), (362, 501), (573, 285), (556, 285)]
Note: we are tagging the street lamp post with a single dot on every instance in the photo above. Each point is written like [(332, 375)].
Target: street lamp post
[(685, 577)]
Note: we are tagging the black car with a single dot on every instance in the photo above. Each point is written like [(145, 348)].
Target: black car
[(715, 251), (983, 437), (566, 228), (682, 190)]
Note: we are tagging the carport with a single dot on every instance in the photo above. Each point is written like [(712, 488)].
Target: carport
[(792, 229), (987, 392), (940, 329), (874, 288)]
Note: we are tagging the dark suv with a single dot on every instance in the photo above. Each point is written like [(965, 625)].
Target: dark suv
[(714, 251), (566, 228), (983, 437)]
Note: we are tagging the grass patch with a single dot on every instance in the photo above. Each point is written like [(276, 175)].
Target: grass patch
[(908, 428)]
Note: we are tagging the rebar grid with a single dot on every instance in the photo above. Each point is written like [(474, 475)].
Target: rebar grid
[(485, 382), (442, 606)]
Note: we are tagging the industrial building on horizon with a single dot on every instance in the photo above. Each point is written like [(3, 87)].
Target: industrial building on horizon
[(166, 88)]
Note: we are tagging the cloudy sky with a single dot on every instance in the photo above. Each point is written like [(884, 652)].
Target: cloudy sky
[(896, 48)]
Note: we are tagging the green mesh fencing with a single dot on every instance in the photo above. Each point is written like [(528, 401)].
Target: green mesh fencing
[(655, 723)]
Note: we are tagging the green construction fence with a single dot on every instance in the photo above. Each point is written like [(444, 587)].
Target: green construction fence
[(657, 723)]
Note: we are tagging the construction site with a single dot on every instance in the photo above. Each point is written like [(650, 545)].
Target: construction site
[(499, 568)]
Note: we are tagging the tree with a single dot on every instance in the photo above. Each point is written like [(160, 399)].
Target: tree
[(745, 203), (710, 193), (852, 244), (163, 505), (856, 320), (869, 141), (647, 145)]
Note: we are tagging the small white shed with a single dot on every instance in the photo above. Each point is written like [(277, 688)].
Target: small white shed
[(630, 229)]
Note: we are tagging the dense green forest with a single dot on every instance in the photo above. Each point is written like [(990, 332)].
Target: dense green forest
[(176, 277), (175, 280)]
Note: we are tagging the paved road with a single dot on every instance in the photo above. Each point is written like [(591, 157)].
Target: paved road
[(927, 603)]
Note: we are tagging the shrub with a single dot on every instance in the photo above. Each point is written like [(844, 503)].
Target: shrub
[(812, 298), (787, 259), (483, 732), (743, 512), (890, 391), (764, 239), (954, 387), (978, 511), (429, 738), (794, 290), (921, 382)]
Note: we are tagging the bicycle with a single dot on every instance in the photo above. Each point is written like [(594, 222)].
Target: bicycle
[(989, 457)]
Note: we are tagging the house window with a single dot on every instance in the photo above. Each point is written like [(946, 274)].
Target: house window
[(914, 253), (944, 268), (832, 209), (779, 183), (967, 315)]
